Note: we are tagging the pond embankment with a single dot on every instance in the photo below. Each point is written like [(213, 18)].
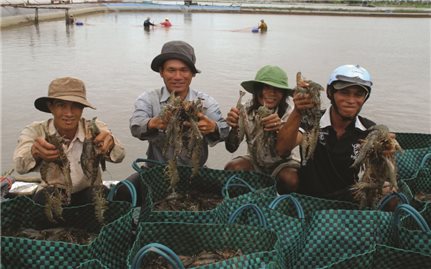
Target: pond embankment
[(18, 14)]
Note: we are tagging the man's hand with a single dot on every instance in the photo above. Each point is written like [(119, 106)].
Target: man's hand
[(271, 122), (391, 145), (388, 188), (206, 125), (104, 142), (233, 117), (303, 101), (41, 149), (157, 123)]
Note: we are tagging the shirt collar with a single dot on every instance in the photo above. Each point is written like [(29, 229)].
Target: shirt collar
[(80, 135), (191, 95), (165, 95), (325, 120)]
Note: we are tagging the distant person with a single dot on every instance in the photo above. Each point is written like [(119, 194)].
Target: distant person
[(269, 89), (70, 19), (166, 23), (329, 172), (148, 23), (66, 101), (262, 26)]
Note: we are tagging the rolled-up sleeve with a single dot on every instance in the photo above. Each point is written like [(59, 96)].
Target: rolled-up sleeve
[(213, 112), (118, 152), (22, 157), (143, 112)]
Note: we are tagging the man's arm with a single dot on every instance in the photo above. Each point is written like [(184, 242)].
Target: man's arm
[(28, 153), (233, 140), (139, 123), (221, 128), (289, 135), (109, 144)]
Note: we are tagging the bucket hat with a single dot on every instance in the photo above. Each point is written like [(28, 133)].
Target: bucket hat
[(270, 75), (179, 50), (67, 89)]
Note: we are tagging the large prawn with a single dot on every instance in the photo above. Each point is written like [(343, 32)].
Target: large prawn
[(310, 117)]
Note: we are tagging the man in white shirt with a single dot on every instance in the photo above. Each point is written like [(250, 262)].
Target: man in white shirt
[(66, 101)]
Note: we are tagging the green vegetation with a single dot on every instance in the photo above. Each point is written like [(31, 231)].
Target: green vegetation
[(387, 3)]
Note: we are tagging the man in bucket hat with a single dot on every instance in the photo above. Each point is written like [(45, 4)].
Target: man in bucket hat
[(176, 66), (328, 173), (269, 91), (66, 101)]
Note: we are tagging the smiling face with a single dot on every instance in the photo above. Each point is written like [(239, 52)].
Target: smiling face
[(349, 101), (270, 96), (66, 116), (177, 76)]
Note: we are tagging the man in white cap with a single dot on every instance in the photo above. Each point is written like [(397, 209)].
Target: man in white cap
[(66, 101), (328, 173)]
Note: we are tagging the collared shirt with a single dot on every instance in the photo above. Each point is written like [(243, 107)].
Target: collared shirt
[(262, 153), (24, 161), (150, 104), (328, 173)]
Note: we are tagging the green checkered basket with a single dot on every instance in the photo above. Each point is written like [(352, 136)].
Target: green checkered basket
[(335, 235), (289, 226), (413, 140), (110, 247), (415, 146), (419, 184), (211, 181), (411, 229), (384, 257), (92, 264), (258, 245)]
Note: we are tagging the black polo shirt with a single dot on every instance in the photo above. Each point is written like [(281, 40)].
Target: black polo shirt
[(328, 174)]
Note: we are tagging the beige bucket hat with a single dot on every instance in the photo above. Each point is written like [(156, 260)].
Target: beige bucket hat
[(67, 89)]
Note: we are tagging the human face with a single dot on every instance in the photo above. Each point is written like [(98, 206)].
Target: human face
[(177, 76), (270, 96), (66, 116), (349, 101)]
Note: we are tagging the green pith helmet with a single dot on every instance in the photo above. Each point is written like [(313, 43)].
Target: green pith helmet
[(270, 75)]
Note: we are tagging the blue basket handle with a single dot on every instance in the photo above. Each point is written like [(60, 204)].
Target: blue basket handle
[(382, 203), (296, 203), (138, 168), (167, 253), (256, 209), (129, 186), (413, 213), (231, 183), (424, 160)]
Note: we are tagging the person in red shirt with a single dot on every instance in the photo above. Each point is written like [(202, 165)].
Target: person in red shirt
[(166, 23)]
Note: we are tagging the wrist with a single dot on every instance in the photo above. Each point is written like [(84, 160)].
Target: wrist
[(112, 146), (34, 153), (215, 130)]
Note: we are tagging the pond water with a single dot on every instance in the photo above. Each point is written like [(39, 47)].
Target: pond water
[(112, 53)]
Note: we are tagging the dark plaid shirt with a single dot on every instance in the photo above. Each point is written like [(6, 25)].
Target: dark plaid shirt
[(328, 174)]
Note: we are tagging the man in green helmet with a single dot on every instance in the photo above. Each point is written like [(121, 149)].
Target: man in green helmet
[(259, 121)]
